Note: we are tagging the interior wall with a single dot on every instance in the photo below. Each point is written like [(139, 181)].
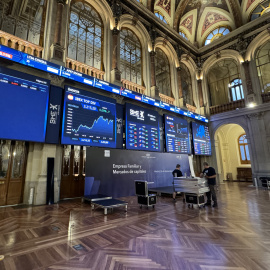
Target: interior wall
[(228, 159)]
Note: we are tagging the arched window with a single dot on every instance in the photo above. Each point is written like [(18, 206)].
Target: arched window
[(163, 76), (85, 35), (182, 34), (263, 67), (160, 16), (186, 85), (220, 77), (215, 34), (130, 57), (243, 149), (23, 19), (236, 90), (261, 9)]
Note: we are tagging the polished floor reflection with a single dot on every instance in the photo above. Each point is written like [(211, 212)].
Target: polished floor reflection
[(69, 235)]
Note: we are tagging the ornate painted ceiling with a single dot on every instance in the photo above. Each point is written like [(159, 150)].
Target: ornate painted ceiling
[(202, 20)]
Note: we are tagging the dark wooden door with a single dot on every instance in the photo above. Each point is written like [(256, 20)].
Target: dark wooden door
[(12, 171), (73, 171)]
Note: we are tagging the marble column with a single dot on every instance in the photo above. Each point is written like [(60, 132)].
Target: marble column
[(251, 97)]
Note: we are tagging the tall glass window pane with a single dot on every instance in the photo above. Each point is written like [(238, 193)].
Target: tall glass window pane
[(263, 67), (163, 76), (236, 90), (66, 159), (243, 154), (23, 19), (85, 35), (130, 57), (247, 152)]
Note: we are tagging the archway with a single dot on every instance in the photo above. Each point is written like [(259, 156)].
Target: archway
[(232, 153)]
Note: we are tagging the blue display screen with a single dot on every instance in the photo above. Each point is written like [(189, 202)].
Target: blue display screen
[(177, 135), (23, 106), (88, 119), (142, 128), (35, 62), (201, 139)]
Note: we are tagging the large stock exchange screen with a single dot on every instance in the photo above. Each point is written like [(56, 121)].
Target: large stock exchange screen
[(201, 139), (142, 128), (89, 119), (23, 106), (177, 135)]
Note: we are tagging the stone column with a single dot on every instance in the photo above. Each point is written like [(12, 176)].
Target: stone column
[(154, 89), (251, 96), (180, 90), (57, 48), (201, 101), (115, 73)]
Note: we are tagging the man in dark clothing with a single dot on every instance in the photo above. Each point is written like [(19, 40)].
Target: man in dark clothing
[(210, 174), (176, 173)]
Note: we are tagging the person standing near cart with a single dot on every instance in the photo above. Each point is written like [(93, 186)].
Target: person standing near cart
[(176, 173), (210, 174)]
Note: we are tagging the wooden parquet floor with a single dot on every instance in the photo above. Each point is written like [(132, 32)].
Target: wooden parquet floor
[(234, 236)]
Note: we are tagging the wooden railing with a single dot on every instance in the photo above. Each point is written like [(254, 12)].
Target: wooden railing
[(167, 99), (266, 97), (227, 107), (83, 68), (20, 44), (191, 108), (133, 86)]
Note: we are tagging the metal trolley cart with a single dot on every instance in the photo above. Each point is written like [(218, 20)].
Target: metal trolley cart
[(193, 189), (141, 188)]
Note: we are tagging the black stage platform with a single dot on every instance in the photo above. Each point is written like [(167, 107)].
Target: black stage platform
[(161, 190)]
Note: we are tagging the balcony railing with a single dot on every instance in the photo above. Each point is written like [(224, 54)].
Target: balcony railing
[(83, 68), (266, 97), (191, 108), (227, 107), (167, 99), (20, 44), (133, 86)]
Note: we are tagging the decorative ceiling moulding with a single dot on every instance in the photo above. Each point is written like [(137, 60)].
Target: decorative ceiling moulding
[(165, 5), (148, 18), (246, 30)]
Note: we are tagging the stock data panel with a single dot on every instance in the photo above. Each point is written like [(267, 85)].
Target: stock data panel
[(201, 139), (89, 119), (24, 106), (142, 128), (177, 135)]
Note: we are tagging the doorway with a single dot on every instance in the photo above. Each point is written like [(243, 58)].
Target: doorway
[(13, 156), (233, 153), (73, 171)]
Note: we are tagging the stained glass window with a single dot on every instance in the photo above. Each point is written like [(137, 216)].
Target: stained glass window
[(130, 57), (243, 149), (163, 76), (160, 16), (182, 34), (85, 35), (261, 9), (215, 34)]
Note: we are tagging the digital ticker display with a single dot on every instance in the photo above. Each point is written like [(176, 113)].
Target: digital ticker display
[(89, 119), (201, 139), (142, 128), (177, 135), (23, 106)]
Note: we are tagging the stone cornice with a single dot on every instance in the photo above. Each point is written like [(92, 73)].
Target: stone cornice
[(241, 112)]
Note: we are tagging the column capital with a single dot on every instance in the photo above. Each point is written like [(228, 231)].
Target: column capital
[(115, 31), (153, 53), (62, 2)]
